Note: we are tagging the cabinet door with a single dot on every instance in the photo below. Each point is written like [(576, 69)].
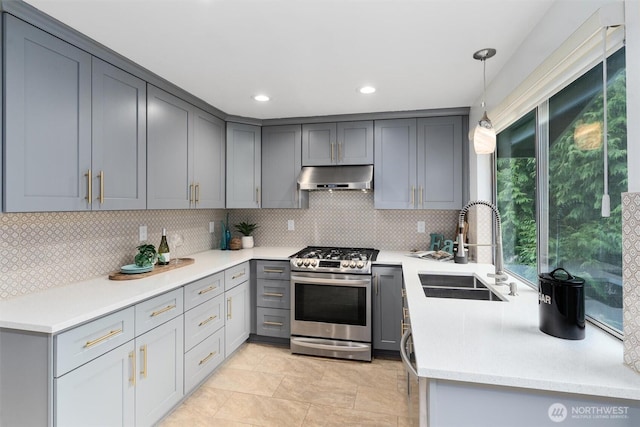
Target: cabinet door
[(395, 164), (319, 144), (47, 121), (387, 317), (355, 143), (281, 164), (99, 393), (237, 326), (243, 166), (440, 163), (208, 160), (168, 151), (119, 139), (160, 374)]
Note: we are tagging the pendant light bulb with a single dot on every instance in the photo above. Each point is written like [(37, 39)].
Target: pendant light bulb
[(484, 136)]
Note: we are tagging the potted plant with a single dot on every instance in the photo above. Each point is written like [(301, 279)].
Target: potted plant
[(246, 229), (146, 256)]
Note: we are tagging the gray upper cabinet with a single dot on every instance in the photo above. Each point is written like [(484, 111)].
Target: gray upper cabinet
[(343, 143), (119, 139), (281, 164), (244, 145), (418, 163), (185, 154), (47, 121)]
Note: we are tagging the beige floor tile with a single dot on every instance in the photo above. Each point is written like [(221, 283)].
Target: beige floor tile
[(262, 411), (293, 366), (381, 400), (244, 381), (322, 416), (250, 356), (387, 363), (319, 392), (361, 374)]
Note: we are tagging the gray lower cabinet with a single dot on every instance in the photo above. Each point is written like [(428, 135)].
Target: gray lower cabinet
[(244, 161), (186, 154), (387, 313), (273, 301), (418, 163), (281, 164), (342, 143), (75, 127), (237, 326)]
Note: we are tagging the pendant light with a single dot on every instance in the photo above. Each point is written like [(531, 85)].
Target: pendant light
[(484, 136)]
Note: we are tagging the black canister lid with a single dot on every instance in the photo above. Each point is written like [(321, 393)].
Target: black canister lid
[(561, 277)]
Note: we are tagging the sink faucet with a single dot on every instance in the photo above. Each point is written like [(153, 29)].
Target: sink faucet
[(500, 276)]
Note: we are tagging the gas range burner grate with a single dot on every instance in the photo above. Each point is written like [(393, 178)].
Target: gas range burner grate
[(341, 254)]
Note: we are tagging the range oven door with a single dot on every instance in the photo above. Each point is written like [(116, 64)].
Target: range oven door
[(332, 306)]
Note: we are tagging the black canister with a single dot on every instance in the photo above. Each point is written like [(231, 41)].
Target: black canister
[(561, 304)]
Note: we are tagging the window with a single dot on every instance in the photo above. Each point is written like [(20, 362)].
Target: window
[(570, 231)]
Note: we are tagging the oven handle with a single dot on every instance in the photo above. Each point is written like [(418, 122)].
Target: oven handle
[(403, 352), (330, 346), (324, 281)]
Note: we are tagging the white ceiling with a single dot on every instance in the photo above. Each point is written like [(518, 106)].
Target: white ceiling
[(311, 56)]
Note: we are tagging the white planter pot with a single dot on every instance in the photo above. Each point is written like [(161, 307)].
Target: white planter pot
[(247, 242)]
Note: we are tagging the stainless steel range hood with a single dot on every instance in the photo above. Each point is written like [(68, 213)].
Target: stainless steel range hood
[(336, 178)]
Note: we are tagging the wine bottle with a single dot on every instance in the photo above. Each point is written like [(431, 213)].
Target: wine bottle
[(164, 256)]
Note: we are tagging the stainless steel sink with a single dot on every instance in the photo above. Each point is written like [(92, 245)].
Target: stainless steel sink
[(456, 286)]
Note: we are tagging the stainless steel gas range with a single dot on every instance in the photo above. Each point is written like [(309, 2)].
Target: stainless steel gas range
[(331, 302)]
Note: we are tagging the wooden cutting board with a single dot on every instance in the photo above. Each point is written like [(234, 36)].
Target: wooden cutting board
[(182, 262)]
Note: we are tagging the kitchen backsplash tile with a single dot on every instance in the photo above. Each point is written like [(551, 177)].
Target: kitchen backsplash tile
[(43, 250), (631, 278)]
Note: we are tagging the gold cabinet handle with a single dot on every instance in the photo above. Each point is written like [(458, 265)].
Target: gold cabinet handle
[(191, 194), (204, 322), (143, 349), (89, 182), (339, 159), (258, 196), (273, 294), (273, 270), (105, 337), (101, 196), (273, 323), (229, 308), (235, 276), (197, 193), (163, 310), (206, 359), (332, 144), (413, 195), (420, 194), (405, 313), (132, 357), (209, 289)]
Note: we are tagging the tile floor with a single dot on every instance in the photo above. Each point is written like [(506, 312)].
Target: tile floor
[(262, 385)]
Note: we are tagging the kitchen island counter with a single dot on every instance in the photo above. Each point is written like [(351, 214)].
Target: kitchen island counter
[(499, 343)]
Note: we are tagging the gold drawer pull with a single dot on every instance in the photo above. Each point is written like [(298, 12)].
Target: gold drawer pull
[(164, 310), (197, 193), (143, 349), (101, 196), (229, 308), (273, 294), (273, 270), (89, 189), (105, 337), (204, 322), (132, 357), (235, 276), (273, 323), (206, 359), (209, 289), (405, 313)]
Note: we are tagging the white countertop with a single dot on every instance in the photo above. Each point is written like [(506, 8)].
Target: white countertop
[(486, 342)]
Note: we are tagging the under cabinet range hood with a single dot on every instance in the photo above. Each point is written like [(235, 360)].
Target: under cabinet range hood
[(336, 178)]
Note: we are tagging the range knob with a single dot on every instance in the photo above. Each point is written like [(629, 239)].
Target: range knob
[(313, 263), (307, 262), (345, 264), (299, 262), (352, 264), (360, 264)]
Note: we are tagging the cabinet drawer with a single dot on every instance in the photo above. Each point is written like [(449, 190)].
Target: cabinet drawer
[(86, 342), (158, 310), (273, 322), (273, 293), (202, 321), (235, 275), (201, 360), (278, 270), (203, 290)]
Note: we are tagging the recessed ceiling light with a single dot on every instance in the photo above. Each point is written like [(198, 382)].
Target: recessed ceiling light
[(261, 98), (367, 89)]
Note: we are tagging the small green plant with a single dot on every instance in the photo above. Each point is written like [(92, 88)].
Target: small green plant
[(246, 228), (146, 256)]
